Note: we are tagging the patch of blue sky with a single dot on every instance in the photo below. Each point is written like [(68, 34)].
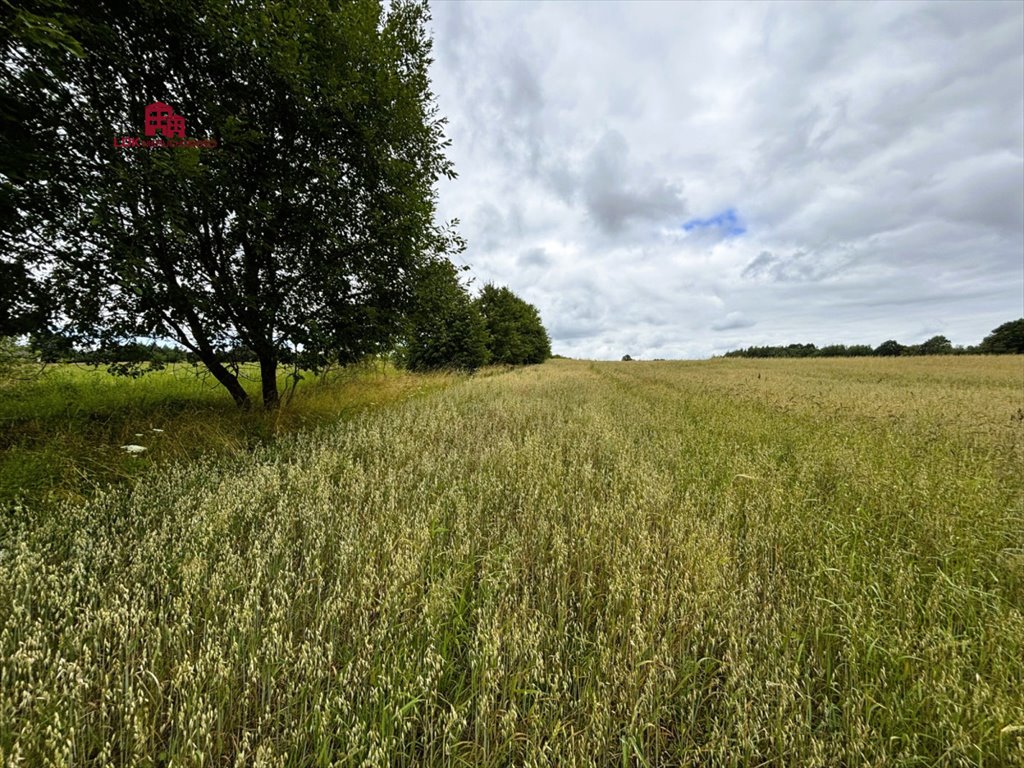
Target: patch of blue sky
[(728, 222)]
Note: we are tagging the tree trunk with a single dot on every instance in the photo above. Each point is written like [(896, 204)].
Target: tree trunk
[(230, 382), (268, 380)]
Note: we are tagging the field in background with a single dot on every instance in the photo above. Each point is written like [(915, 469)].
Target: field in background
[(732, 562), (62, 430)]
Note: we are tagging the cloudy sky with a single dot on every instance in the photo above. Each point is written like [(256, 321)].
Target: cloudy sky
[(677, 179)]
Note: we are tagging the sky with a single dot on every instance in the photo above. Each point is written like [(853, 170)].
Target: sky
[(678, 179)]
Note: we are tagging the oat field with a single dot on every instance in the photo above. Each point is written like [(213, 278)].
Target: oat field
[(719, 563)]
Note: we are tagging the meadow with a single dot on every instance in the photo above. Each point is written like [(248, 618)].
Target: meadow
[(719, 563), (63, 427)]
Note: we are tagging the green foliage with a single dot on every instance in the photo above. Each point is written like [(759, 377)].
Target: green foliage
[(26, 161), (12, 355), (936, 345), (804, 350), (1007, 339), (516, 335), (445, 328), (45, 27), (21, 306), (792, 350), (132, 359), (842, 350), (890, 348), (833, 350), (302, 229), (859, 350)]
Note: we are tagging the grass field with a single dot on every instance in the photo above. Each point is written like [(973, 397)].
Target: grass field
[(62, 430), (729, 563)]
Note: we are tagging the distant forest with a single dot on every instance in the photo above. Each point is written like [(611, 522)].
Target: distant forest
[(1007, 339)]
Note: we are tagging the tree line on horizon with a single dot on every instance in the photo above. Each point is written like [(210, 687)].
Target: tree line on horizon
[(1007, 339)]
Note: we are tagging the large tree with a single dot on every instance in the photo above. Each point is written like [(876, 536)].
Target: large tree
[(936, 345), (1007, 339), (25, 162), (302, 229), (890, 348), (445, 328), (516, 335)]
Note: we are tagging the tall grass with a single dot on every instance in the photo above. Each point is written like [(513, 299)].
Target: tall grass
[(62, 432), (727, 563)]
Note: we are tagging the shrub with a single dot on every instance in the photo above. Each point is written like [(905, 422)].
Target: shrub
[(516, 334)]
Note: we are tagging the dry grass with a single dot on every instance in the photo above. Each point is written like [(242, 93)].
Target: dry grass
[(724, 563)]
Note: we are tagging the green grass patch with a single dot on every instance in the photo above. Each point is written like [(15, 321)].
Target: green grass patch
[(62, 431)]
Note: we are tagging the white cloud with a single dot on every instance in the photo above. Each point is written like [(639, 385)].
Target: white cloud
[(874, 155)]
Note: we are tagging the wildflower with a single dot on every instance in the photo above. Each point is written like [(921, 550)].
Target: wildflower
[(133, 448)]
